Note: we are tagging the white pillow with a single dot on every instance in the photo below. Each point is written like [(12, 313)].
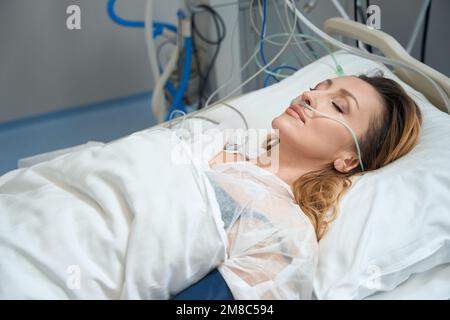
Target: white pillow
[(432, 284), (394, 222)]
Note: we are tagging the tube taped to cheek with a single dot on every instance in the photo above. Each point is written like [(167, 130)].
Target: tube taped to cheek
[(298, 101)]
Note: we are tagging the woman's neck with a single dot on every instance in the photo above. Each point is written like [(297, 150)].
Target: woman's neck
[(285, 165)]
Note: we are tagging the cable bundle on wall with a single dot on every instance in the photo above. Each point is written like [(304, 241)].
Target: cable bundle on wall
[(220, 28), (265, 67)]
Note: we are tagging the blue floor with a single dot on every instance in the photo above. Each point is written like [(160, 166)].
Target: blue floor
[(103, 122)]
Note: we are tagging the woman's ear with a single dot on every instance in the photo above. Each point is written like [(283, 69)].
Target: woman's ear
[(346, 164)]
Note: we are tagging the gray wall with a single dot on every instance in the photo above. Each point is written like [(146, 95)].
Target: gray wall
[(45, 67), (398, 18)]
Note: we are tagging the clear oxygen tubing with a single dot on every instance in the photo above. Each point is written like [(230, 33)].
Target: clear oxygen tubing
[(291, 35), (286, 29), (224, 85), (344, 15), (185, 116), (417, 27), (309, 6), (251, 58), (262, 42), (340, 9), (298, 101), (367, 55), (277, 73), (296, 25), (255, 29), (339, 69)]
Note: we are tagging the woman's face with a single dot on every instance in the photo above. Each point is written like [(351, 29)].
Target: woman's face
[(308, 134)]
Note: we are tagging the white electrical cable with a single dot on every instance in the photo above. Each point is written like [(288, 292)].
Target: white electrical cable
[(258, 33), (295, 38), (229, 80), (344, 15), (337, 68), (283, 25), (309, 6), (193, 7), (254, 27), (417, 27), (367, 55), (340, 9), (256, 73), (233, 58), (158, 103), (158, 100)]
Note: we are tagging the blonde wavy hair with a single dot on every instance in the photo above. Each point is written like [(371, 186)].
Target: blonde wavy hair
[(389, 137)]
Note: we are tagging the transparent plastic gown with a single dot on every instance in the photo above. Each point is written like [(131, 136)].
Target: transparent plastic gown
[(272, 249)]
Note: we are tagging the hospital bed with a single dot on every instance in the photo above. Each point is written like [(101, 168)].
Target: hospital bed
[(392, 237)]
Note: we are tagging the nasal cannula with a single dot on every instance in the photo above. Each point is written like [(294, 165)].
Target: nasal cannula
[(300, 102)]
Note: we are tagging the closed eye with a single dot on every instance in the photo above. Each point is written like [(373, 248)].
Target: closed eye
[(336, 106)]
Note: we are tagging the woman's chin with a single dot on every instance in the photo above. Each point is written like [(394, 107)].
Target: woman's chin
[(277, 122), (286, 122), (274, 123)]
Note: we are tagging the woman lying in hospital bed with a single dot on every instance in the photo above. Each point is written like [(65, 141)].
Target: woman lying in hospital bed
[(316, 157), (98, 224)]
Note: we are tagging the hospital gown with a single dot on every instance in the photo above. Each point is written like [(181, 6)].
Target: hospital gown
[(272, 249)]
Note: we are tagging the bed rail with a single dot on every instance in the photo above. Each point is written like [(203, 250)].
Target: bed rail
[(391, 48)]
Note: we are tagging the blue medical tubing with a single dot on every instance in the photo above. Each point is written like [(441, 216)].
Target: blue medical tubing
[(261, 46), (284, 67), (157, 30), (266, 80), (263, 33), (261, 49), (157, 26), (177, 102), (171, 88)]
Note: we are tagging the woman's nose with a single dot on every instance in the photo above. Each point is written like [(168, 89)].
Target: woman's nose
[(316, 99), (309, 98)]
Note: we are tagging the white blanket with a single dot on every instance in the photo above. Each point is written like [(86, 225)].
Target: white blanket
[(109, 222)]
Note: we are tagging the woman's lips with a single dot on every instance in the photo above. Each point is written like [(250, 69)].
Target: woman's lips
[(296, 112)]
